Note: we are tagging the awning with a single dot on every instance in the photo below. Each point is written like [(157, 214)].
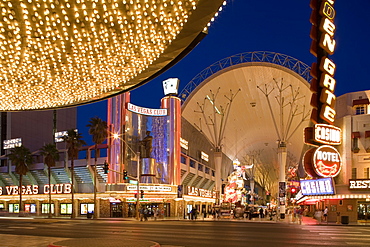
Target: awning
[(367, 133), (356, 134), (360, 102)]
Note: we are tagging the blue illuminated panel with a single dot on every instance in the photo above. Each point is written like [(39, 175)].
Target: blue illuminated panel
[(316, 187)]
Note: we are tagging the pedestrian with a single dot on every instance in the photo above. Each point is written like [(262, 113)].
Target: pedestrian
[(326, 214), (295, 211), (155, 213), (318, 215), (299, 215), (141, 214), (145, 212), (195, 213), (261, 213)]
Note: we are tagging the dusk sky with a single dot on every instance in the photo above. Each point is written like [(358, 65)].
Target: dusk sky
[(268, 25)]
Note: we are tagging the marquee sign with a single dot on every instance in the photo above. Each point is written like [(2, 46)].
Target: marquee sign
[(359, 184), (324, 161), (146, 111), (35, 190), (314, 187), (193, 191), (150, 188), (323, 134), (12, 143), (323, 44)]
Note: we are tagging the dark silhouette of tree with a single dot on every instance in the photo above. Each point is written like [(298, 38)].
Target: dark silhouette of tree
[(99, 131), (21, 157), (74, 141), (51, 155)]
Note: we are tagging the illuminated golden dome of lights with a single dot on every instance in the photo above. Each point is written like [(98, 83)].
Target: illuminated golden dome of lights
[(57, 53)]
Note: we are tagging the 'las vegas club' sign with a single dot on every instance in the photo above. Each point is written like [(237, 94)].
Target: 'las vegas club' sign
[(324, 160)]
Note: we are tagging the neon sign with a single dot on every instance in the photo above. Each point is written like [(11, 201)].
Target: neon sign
[(323, 44), (324, 161), (146, 111), (359, 184), (328, 134), (34, 189), (321, 186)]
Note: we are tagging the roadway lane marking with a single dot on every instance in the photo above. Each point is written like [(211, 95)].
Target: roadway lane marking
[(349, 238), (23, 227), (347, 233), (357, 243)]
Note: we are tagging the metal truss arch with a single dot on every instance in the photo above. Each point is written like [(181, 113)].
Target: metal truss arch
[(289, 62)]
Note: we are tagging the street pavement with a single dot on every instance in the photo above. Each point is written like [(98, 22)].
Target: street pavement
[(32, 241)]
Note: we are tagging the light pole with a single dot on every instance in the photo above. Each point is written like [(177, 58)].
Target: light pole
[(138, 186), (137, 156)]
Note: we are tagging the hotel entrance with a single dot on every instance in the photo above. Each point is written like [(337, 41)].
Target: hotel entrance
[(116, 210)]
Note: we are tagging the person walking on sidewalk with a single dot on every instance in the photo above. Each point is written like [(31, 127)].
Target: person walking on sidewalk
[(326, 214), (299, 215)]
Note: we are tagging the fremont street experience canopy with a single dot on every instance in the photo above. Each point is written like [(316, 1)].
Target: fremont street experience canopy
[(58, 53)]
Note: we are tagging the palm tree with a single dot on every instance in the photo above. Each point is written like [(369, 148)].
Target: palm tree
[(98, 130), (21, 157), (51, 155), (74, 142)]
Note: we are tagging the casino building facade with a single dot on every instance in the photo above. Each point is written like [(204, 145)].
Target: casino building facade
[(177, 171), (348, 198)]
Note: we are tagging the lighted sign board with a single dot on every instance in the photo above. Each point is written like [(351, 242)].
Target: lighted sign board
[(184, 144), (193, 191), (58, 137), (327, 134), (34, 189), (146, 111), (204, 156), (12, 143), (323, 44), (359, 184), (150, 188), (170, 86), (324, 161), (327, 161), (315, 187)]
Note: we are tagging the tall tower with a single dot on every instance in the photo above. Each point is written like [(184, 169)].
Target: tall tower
[(173, 105), (116, 134)]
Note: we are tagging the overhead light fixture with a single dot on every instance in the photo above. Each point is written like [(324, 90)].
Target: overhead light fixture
[(62, 53)]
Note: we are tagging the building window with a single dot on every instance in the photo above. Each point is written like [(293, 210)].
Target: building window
[(66, 208), (206, 170), (213, 173), (30, 208), (354, 173), (86, 208), (355, 147), (366, 172), (192, 163), (183, 159), (360, 110), (13, 208), (45, 208), (200, 167)]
